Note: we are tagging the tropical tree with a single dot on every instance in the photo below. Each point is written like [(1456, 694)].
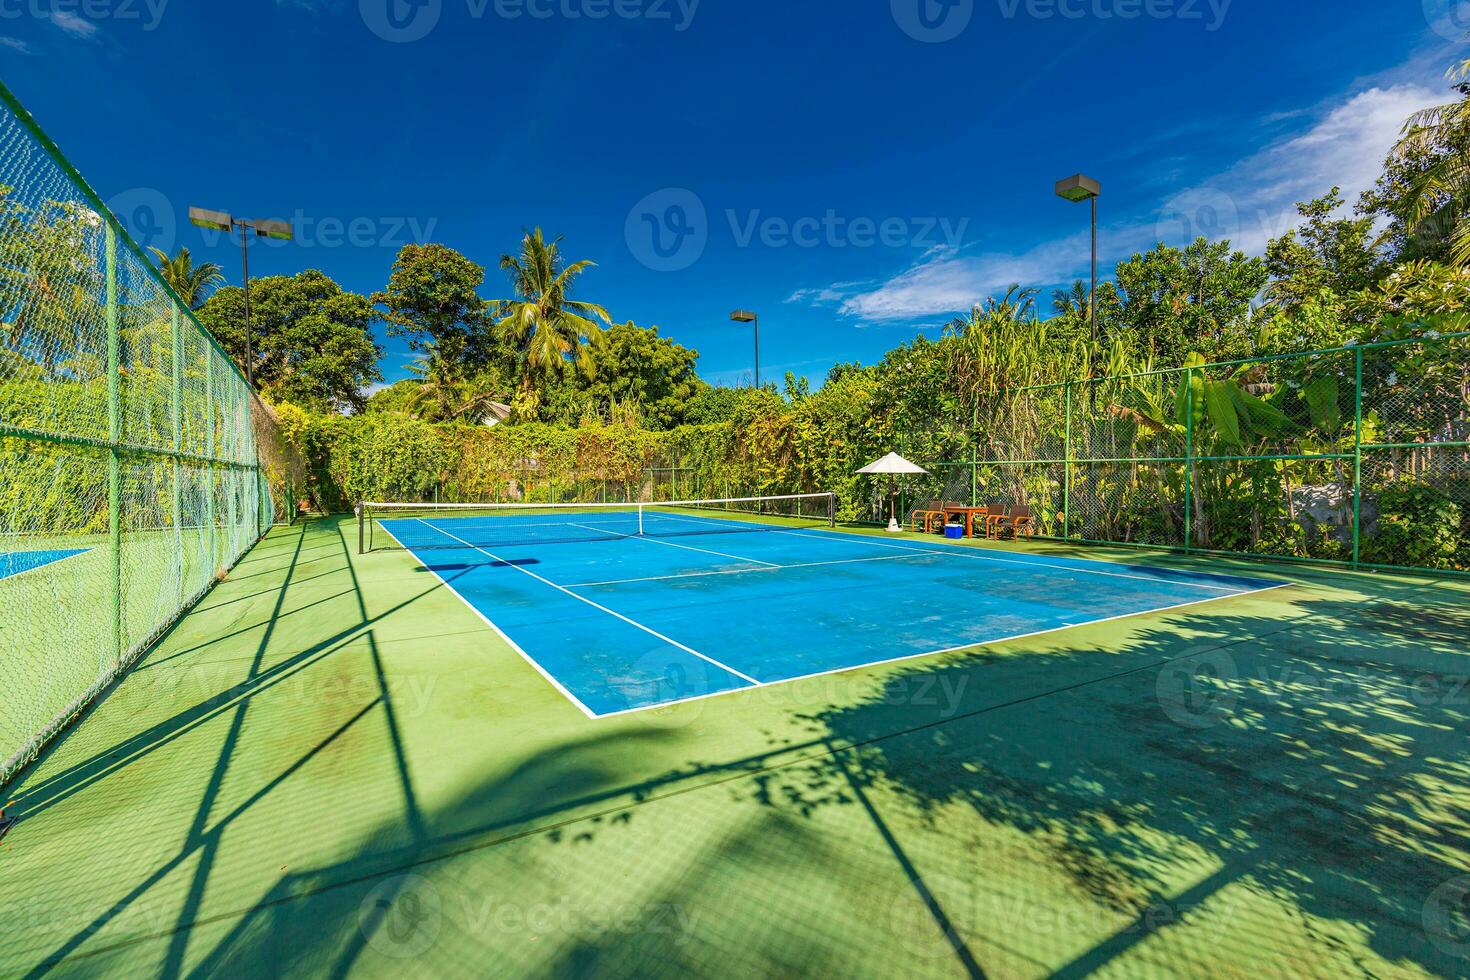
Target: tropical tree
[(1328, 252), (50, 281), (631, 365), (547, 328), (432, 300), (310, 339), (1425, 188), (1198, 298), (445, 390), (193, 283)]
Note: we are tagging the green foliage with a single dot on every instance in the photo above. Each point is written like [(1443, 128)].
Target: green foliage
[(50, 280), (193, 283), (398, 398), (1194, 299), (1424, 191), (543, 324), (310, 339), (1417, 525), (432, 300), (721, 404), (1326, 254), (630, 365)]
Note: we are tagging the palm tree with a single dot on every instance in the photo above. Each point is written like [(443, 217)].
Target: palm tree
[(1072, 302), (192, 282), (547, 328), (443, 394), (1438, 198)]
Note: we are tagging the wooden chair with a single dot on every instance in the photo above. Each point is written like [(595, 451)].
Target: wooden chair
[(1017, 521), (994, 514), (929, 512)]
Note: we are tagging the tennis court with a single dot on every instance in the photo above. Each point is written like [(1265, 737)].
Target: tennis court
[(628, 607), (17, 562)]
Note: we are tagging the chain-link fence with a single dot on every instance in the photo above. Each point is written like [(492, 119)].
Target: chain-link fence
[(1356, 455), (129, 477)]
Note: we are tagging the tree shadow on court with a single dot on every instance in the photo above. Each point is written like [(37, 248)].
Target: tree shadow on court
[(1221, 775), (1311, 763)]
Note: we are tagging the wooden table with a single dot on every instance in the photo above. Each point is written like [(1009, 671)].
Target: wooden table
[(969, 514)]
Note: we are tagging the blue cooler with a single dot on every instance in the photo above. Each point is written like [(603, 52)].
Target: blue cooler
[(955, 532)]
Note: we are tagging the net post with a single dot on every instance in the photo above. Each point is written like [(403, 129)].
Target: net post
[(361, 528), (832, 510), (640, 520), (114, 429)]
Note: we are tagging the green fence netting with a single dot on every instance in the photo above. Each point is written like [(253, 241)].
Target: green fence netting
[(1356, 455), (129, 473)]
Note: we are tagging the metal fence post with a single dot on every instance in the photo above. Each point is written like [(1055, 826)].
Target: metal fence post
[(1357, 454), (1067, 468), (1188, 459), (213, 470), (114, 431), (178, 412), (975, 457)]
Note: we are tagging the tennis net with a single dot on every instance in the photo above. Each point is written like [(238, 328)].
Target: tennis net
[(417, 527)]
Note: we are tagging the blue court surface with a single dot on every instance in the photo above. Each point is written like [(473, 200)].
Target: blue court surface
[(696, 606), (15, 562)]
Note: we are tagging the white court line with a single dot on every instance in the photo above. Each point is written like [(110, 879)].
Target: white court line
[(617, 615), (969, 553), (746, 571), (978, 644), (686, 547), (934, 653), (548, 675)]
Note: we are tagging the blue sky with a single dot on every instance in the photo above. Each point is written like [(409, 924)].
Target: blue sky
[(854, 171)]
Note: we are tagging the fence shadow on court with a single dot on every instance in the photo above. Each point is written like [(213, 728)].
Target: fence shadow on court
[(1185, 785)]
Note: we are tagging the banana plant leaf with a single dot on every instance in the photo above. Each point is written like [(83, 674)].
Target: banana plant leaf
[(1321, 396)]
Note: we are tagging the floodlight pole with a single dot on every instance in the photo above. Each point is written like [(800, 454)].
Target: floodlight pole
[(245, 263), (220, 221), (1092, 293), (1077, 189), (746, 316)]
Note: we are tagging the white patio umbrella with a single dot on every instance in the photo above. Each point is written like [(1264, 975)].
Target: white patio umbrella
[(893, 465)]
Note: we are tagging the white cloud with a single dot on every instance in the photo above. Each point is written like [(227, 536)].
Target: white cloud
[(1249, 203), (69, 22), (948, 282), (1346, 147), (15, 44)]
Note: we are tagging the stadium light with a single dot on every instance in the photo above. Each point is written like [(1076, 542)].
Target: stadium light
[(1079, 188), (745, 316), (223, 221)]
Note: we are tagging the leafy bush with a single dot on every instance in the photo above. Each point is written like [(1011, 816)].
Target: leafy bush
[(1417, 525)]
